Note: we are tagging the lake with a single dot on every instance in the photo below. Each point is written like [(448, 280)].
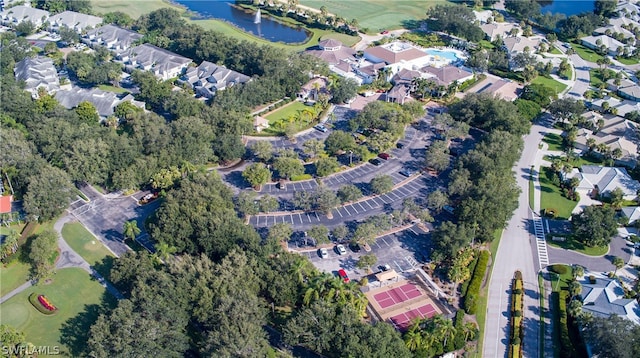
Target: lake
[(267, 29), (567, 7)]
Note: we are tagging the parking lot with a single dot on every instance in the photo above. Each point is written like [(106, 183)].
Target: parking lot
[(401, 251)]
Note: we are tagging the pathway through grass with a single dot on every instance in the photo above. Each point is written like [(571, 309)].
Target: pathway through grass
[(87, 246)]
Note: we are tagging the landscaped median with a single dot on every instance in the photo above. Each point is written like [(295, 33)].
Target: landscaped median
[(42, 304), (517, 305)]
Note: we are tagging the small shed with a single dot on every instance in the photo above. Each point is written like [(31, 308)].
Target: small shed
[(386, 275)]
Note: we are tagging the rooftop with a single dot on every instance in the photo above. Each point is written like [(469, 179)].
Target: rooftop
[(37, 72), (606, 297), (104, 101), (395, 52)]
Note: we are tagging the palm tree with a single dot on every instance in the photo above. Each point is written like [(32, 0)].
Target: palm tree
[(444, 328), (301, 268), (575, 308), (413, 337), (130, 229), (575, 288), (618, 262), (164, 251), (578, 271)]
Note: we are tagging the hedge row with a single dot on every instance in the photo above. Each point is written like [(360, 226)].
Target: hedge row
[(566, 347), (517, 306), (459, 339), (471, 298), (33, 298), (559, 269), (472, 267)]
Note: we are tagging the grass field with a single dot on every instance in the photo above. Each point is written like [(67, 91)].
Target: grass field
[(554, 141), (87, 246), (554, 51), (577, 246), (285, 112), (75, 295), (552, 198), (551, 83), (595, 77), (13, 276), (628, 61), (131, 7), (586, 53), (377, 15), (113, 89)]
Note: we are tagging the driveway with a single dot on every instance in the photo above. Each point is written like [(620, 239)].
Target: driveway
[(581, 68), (618, 247), (104, 217)]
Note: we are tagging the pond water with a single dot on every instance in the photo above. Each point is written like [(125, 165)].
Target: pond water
[(266, 28), (567, 7)]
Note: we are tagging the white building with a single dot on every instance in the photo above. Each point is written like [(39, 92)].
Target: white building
[(596, 180), (611, 45), (606, 297), (162, 63), (104, 101), (73, 20), (38, 72), (17, 14), (208, 78), (112, 37)]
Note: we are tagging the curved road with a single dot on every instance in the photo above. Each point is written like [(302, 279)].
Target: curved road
[(516, 252)]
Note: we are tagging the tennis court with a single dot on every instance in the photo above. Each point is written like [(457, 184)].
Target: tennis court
[(397, 295), (403, 320)]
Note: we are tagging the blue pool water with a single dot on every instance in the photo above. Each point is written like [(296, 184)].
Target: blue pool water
[(449, 55)]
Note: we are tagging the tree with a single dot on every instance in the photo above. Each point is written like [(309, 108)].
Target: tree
[(613, 336), (320, 233), (262, 150), (617, 198), (457, 20), (130, 229), (313, 147), (595, 225), (381, 184), (366, 261), (257, 174), (288, 167), (25, 28), (566, 108), (280, 232), (343, 90), (575, 288), (340, 232), (246, 202), (437, 200), (48, 194), (267, 203), (437, 156), (618, 263), (42, 253), (349, 193), (324, 200), (165, 178), (326, 166), (339, 141), (605, 8), (11, 339), (365, 233)]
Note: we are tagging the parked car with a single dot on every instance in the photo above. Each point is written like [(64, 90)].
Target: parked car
[(342, 273), (384, 156), (384, 32), (341, 250), (323, 253), (384, 267), (354, 246), (399, 145), (375, 162), (321, 128), (406, 172)]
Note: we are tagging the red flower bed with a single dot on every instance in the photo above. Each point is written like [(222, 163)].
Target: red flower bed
[(45, 303)]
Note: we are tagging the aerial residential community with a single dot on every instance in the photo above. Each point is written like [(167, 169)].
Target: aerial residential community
[(314, 178)]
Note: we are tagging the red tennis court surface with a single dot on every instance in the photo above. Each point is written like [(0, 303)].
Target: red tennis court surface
[(397, 295), (403, 320)]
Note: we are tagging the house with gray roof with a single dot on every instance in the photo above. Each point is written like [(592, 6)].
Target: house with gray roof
[(104, 101), (617, 133), (626, 89), (596, 180), (36, 73), (606, 297), (112, 37), (494, 30), (611, 45), (332, 52), (73, 20), (162, 63), (632, 213), (17, 14), (208, 78)]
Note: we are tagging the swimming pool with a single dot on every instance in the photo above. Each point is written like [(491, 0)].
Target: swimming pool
[(450, 55)]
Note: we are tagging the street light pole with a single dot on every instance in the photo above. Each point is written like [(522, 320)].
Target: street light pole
[(350, 157)]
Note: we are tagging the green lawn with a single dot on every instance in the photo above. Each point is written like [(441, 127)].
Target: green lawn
[(551, 83), (87, 246), (554, 141), (531, 192), (285, 112), (113, 89), (628, 61), (377, 15), (586, 53), (12, 276), (554, 51), (551, 197), (574, 245), (132, 8), (75, 295), (595, 78)]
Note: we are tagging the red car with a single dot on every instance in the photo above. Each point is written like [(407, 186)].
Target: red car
[(384, 156), (384, 32), (342, 273)]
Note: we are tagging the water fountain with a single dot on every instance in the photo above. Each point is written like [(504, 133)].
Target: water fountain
[(258, 18)]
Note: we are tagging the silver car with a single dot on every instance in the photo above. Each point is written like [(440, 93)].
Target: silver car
[(323, 253), (341, 250)]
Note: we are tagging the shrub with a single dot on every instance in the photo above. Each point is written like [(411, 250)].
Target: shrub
[(566, 346), (459, 339), (551, 212), (592, 279), (471, 299), (515, 340), (559, 269), (517, 291), (517, 313), (472, 267)]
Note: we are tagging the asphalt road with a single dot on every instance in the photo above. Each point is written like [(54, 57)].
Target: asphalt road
[(581, 68), (516, 252), (104, 216)]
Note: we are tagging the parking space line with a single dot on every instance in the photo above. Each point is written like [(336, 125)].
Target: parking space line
[(376, 198), (367, 202), (339, 213), (387, 197), (300, 217), (308, 217), (347, 210), (362, 207), (354, 208), (399, 267), (392, 193), (317, 217), (291, 218)]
